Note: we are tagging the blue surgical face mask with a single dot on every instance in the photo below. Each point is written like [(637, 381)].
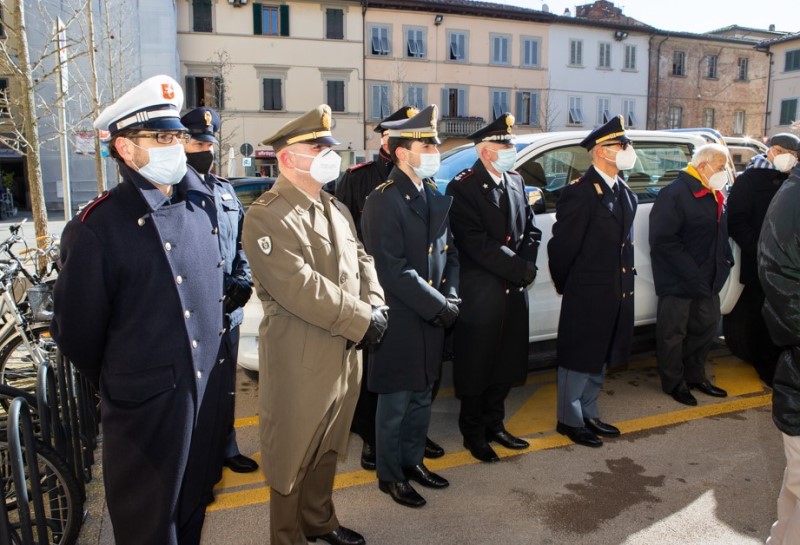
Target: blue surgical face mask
[(506, 157), (428, 164)]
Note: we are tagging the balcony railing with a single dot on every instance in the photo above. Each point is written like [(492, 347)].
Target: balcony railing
[(459, 126)]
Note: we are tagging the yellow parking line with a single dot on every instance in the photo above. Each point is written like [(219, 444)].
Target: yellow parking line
[(537, 414), (735, 376), (260, 494)]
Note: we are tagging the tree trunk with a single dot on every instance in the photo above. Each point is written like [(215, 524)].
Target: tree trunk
[(28, 111), (98, 157)]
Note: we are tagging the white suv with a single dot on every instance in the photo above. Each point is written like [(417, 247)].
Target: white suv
[(547, 162)]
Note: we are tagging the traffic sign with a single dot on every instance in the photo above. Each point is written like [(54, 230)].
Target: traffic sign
[(246, 149)]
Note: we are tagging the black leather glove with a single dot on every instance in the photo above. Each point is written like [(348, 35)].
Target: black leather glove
[(447, 316), (377, 325), (530, 274), (237, 294)]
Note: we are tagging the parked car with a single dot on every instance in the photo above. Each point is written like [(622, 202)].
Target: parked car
[(249, 189), (743, 149), (547, 162)]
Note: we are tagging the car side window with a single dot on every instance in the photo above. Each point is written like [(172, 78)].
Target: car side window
[(657, 164), (248, 193), (554, 169)]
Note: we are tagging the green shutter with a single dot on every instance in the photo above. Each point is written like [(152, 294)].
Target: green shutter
[(284, 10), (189, 90), (256, 18)]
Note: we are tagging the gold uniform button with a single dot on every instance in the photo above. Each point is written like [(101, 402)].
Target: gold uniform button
[(444, 280), (446, 246), (430, 282), (430, 250), (623, 270), (140, 222)]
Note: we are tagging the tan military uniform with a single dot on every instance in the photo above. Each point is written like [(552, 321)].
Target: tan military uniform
[(317, 286)]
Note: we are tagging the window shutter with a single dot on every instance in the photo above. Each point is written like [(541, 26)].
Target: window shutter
[(256, 18), (284, 11), (191, 98), (445, 101), (462, 103), (277, 96), (534, 108), (219, 93)]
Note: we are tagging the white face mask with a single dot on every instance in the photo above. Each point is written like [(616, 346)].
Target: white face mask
[(785, 162), (718, 180), (625, 159), (165, 165), (506, 157), (325, 166), (428, 164)]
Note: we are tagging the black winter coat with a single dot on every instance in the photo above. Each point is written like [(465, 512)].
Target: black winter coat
[(417, 266), (689, 247), (138, 305), (778, 266), (591, 264), (357, 183), (495, 244), (748, 201)]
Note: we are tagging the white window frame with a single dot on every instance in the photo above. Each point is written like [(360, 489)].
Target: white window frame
[(575, 52), (500, 49), (739, 117), (420, 40), (629, 111), (708, 120), (603, 113), (575, 112), (383, 43), (536, 42), (385, 108), (712, 66), (743, 69), (630, 57), (337, 75), (460, 36), (604, 55), (675, 113), (532, 112)]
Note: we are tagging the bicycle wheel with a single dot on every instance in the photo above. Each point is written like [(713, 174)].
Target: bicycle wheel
[(61, 493), (17, 366)]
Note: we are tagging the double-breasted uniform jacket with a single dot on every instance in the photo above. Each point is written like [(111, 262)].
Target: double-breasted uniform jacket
[(316, 287), (748, 202), (417, 265), (494, 244), (591, 264), (138, 305), (358, 182)]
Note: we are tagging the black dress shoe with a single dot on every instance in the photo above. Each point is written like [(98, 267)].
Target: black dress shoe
[(425, 477), (402, 492), (340, 536), (681, 394), (240, 464), (580, 436), (507, 440), (481, 450), (598, 427), (368, 456), (707, 388), (432, 450)]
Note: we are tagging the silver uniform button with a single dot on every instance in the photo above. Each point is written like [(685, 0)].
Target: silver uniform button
[(168, 246), (179, 279), (214, 231), (186, 314), (140, 222), (507, 291), (203, 204), (194, 344), (199, 375)]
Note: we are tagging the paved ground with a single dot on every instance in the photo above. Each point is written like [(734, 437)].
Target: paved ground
[(678, 475)]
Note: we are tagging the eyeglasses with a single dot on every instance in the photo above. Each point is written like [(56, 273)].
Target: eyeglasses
[(163, 137), (623, 145)]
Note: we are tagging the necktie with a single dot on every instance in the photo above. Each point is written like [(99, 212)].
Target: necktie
[(422, 193), (321, 224), (616, 191)]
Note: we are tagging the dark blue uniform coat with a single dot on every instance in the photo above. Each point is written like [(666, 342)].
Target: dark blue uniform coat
[(494, 248), (417, 267), (591, 264), (138, 306)]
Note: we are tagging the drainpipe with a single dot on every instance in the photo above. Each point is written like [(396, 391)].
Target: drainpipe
[(658, 78), (768, 102), (364, 77)]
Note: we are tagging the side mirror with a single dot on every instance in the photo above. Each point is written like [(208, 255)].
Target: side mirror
[(536, 200)]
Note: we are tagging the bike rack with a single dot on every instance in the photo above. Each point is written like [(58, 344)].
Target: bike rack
[(19, 417)]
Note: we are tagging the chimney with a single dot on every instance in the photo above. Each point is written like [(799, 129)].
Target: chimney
[(772, 28), (567, 12)]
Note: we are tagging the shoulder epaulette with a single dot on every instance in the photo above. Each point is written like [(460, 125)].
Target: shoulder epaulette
[(384, 186), (463, 175), (359, 165), (575, 181), (266, 198), (432, 185), (92, 204)]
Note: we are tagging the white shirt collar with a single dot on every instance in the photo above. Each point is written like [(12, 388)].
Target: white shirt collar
[(611, 182), (497, 179)]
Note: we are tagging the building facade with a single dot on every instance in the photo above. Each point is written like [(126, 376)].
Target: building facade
[(783, 102)]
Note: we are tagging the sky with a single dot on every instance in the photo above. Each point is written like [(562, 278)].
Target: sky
[(692, 15)]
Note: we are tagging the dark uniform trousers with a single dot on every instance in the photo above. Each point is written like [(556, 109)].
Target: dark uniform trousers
[(310, 497), (483, 414), (224, 433), (686, 329), (402, 424)]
